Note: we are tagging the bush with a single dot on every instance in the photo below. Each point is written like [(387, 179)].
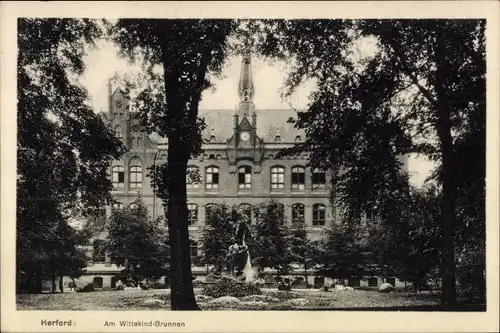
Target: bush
[(325, 288), (227, 287), (119, 287), (86, 288), (284, 286)]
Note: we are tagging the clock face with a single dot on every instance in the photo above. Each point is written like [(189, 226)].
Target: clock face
[(245, 136)]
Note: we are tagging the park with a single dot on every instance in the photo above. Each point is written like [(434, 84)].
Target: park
[(152, 186)]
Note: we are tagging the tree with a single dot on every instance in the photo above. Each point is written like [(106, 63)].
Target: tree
[(187, 51), (341, 255), (217, 236), (64, 148), (413, 82), (270, 245), (303, 250), (137, 243)]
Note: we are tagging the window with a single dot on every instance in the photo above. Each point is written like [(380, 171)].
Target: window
[(135, 179), (391, 281), (318, 179), (245, 177), (298, 138), (118, 174), (118, 132), (246, 210), (277, 177), (139, 142), (121, 116), (298, 178), (372, 282), (98, 282), (192, 214), (117, 205), (133, 143), (318, 215), (192, 177), (99, 254), (193, 248), (298, 213), (212, 177)]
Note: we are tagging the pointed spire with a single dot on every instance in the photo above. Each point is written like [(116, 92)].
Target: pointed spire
[(245, 85)]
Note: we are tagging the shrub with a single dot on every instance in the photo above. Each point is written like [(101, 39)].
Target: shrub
[(284, 286), (227, 287), (119, 287), (86, 288), (325, 288)]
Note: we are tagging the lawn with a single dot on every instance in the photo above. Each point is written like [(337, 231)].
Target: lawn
[(271, 300)]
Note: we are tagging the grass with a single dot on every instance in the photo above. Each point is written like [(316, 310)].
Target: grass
[(134, 300)]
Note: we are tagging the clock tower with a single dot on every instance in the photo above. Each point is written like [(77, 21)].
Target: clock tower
[(245, 144)]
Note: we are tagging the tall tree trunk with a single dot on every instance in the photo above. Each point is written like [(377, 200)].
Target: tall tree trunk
[(61, 285), (443, 128), (182, 294)]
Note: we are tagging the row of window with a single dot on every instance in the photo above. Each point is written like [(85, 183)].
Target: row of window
[(135, 175), (298, 212), (298, 178)]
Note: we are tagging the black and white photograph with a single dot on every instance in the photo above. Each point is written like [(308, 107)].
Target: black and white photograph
[(250, 165)]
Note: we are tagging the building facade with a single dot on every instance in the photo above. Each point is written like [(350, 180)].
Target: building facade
[(239, 167)]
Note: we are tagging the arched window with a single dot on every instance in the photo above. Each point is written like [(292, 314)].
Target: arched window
[(116, 116), (163, 157), (99, 253), (318, 179), (98, 282), (298, 138), (192, 214), (212, 177), (319, 215), (277, 177), (133, 143), (298, 178), (193, 248), (118, 132), (118, 177), (193, 177), (211, 157), (121, 116), (139, 142), (117, 205), (246, 210), (218, 156), (298, 213), (244, 177), (135, 174)]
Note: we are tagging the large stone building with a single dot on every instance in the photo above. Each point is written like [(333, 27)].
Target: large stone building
[(238, 167)]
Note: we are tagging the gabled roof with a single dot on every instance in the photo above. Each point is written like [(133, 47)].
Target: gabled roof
[(270, 122)]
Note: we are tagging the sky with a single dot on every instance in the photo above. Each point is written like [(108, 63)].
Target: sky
[(103, 62)]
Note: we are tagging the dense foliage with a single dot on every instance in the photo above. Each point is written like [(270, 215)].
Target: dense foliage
[(137, 243), (64, 148), (228, 287)]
